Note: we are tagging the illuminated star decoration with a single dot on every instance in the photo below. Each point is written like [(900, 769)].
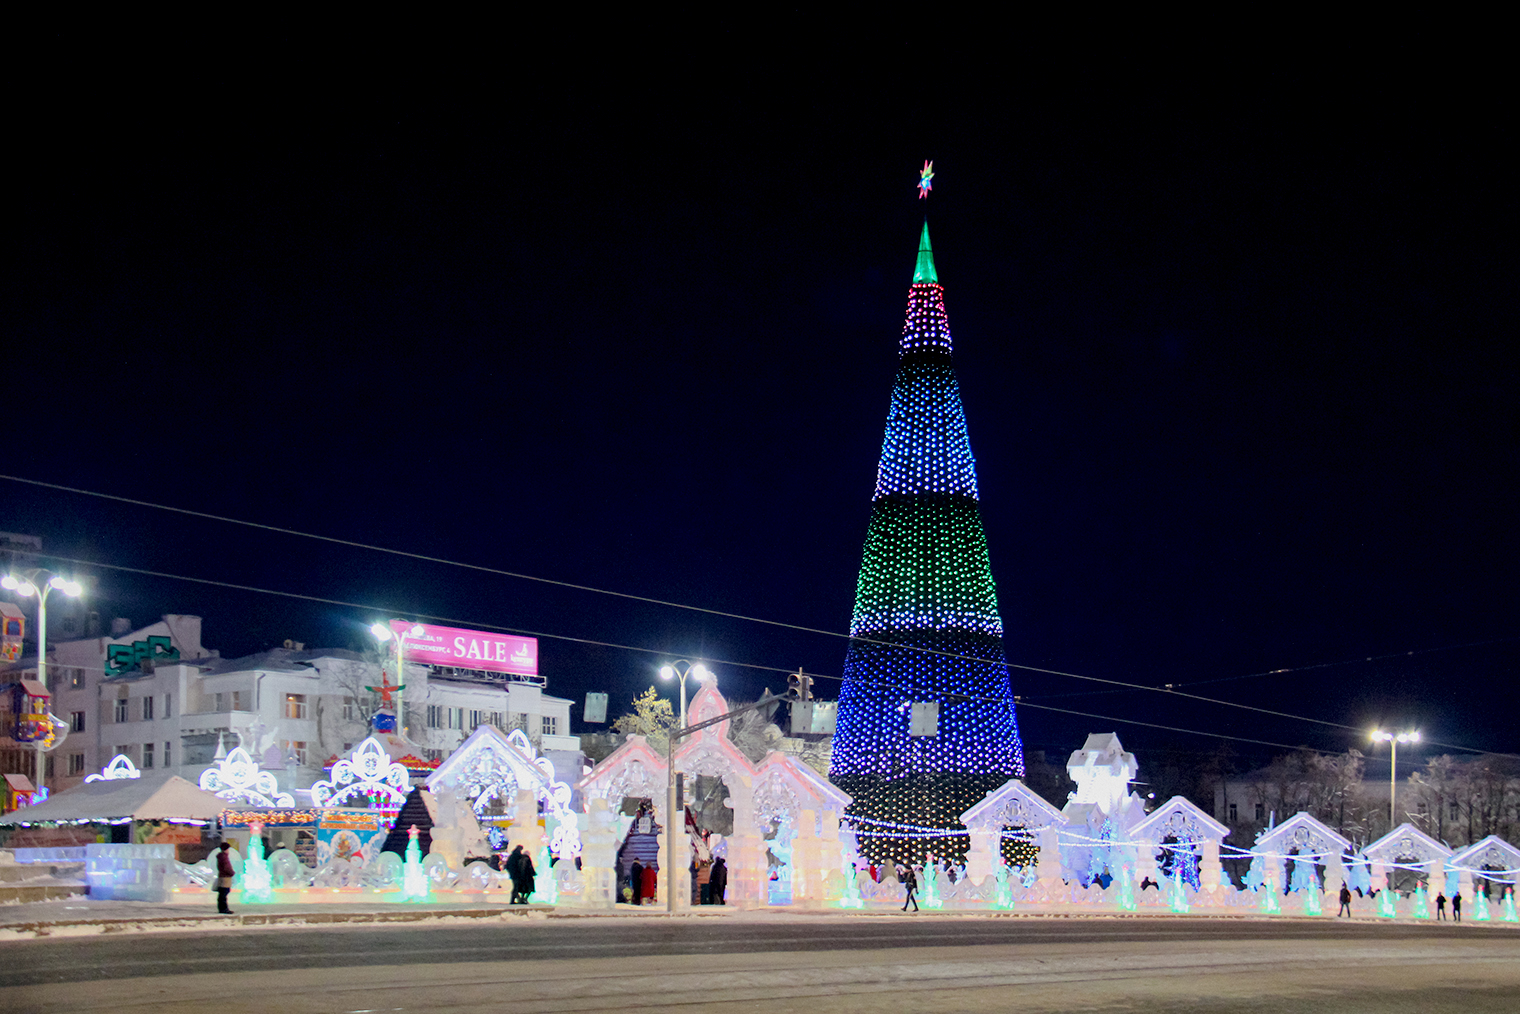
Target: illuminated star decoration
[(926, 179)]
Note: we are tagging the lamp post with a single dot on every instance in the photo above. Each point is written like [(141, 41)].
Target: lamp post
[(1393, 740), (383, 632), (680, 668), (27, 585)]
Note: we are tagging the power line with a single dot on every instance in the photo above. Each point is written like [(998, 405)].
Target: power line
[(1167, 689), (388, 611), (384, 610)]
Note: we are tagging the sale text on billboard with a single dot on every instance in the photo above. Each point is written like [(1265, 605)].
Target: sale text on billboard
[(468, 649)]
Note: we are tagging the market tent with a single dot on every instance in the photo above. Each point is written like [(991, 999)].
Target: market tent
[(150, 797)]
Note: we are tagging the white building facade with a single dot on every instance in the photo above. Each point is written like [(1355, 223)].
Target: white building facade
[(160, 698)]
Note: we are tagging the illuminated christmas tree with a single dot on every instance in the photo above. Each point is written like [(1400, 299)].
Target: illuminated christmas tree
[(926, 623)]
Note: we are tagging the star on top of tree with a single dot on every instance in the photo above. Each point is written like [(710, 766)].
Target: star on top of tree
[(926, 179)]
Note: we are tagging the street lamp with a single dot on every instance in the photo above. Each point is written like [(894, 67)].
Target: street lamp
[(27, 585), (679, 668), (682, 668), (384, 632), (1393, 740)]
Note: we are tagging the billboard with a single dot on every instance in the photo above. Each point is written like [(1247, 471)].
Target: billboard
[(468, 649)]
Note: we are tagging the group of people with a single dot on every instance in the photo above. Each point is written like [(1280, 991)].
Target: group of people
[(1456, 905), (710, 878)]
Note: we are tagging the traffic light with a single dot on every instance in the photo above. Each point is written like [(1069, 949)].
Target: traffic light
[(799, 686)]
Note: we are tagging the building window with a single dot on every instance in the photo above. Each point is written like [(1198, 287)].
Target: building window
[(456, 718), (147, 709), (295, 748), (435, 716), (167, 762), (295, 705), (76, 721), (547, 725), (475, 719), (147, 756), (496, 719), (1261, 812), (76, 679), (76, 764), (121, 710), (237, 700), (168, 705), (348, 710), (1234, 813), (1453, 810), (124, 750)]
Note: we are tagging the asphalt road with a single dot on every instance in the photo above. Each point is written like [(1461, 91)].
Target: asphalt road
[(769, 963)]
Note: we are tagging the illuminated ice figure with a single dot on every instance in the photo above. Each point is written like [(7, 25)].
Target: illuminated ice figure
[(780, 889), (851, 897), (415, 885), (121, 766), (1480, 911), (1126, 881), (928, 885), (368, 774), (237, 778), (1003, 895), (1179, 893), (1421, 903), (1306, 883), (1269, 903), (258, 884), (1256, 873), (545, 884), (1387, 907), (1509, 907)]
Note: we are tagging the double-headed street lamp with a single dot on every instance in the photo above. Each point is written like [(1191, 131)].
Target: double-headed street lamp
[(1393, 739), (384, 632), (680, 668), (30, 583)]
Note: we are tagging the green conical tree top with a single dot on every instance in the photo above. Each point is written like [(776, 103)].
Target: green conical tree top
[(923, 271)]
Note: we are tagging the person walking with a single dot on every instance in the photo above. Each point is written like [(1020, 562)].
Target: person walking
[(909, 881), (636, 882), (224, 875), (1345, 901), (718, 884), (1440, 908), (1456, 907)]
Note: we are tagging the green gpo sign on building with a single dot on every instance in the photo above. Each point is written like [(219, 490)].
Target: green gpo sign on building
[(123, 658)]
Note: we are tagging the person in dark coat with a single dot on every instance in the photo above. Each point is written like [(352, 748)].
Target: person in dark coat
[(1345, 901), (636, 881), (520, 869), (1440, 907), (910, 881), (1456, 908), (224, 875), (718, 882)]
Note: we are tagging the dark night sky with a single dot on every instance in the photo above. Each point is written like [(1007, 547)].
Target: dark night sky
[(1236, 346)]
